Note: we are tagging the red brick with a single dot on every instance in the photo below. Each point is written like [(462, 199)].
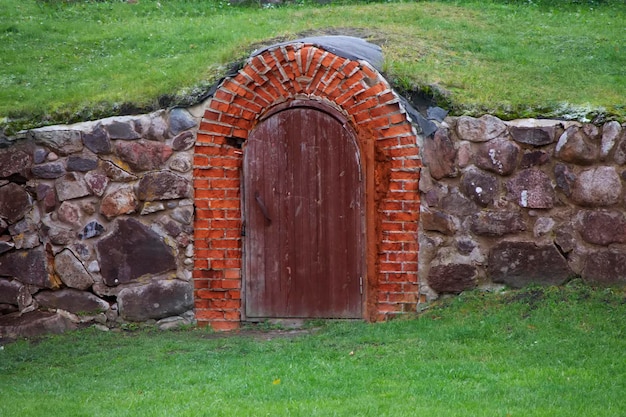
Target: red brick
[(200, 303), (210, 115), (225, 161), (225, 263), (223, 95), (225, 304), (232, 315), (388, 97), (369, 72), (225, 183), (218, 106), (234, 294), (214, 127), (366, 105), (387, 307), (224, 326), (199, 284), (199, 264), (210, 193), (226, 244), (225, 224), (211, 294), (232, 274), (209, 314)]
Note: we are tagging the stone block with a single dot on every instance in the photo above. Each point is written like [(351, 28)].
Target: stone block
[(440, 154), (605, 267), (498, 155), (518, 264), (60, 140), (602, 227), (574, 146), (72, 300), (496, 223), (72, 185), (531, 188), (132, 251), (452, 278), (121, 200), (32, 324), (599, 186), (71, 271), (143, 155), (29, 267), (15, 202), (163, 185), (483, 129), (156, 300), (482, 188)]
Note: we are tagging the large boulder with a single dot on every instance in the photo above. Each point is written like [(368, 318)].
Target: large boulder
[(518, 264), (599, 186), (133, 251), (440, 154), (575, 146), (452, 278), (74, 301), (533, 132), (155, 300), (71, 271), (498, 155), (606, 267), (118, 201), (531, 188), (15, 202), (71, 186), (59, 139), (143, 155), (164, 185), (97, 140), (602, 227), (29, 267), (496, 223), (35, 323), (483, 129), (15, 160), (481, 187)]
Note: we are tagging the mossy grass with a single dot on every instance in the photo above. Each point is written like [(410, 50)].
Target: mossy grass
[(70, 60), (534, 352)]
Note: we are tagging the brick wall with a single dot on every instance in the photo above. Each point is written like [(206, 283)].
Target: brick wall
[(385, 136)]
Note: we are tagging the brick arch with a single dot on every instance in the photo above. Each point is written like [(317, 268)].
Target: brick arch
[(390, 159)]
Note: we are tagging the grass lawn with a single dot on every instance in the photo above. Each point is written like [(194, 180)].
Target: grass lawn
[(535, 352), (71, 60)]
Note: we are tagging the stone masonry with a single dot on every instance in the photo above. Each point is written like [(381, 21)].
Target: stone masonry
[(522, 202), (96, 224)]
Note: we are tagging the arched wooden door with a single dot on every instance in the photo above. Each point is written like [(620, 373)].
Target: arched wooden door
[(303, 206)]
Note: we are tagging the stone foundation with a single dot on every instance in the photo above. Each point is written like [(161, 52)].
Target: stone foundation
[(522, 202), (96, 223)]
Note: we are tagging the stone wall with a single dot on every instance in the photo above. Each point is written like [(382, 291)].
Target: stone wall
[(522, 202), (96, 223)]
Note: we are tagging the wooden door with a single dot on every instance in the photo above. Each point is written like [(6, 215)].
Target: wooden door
[(303, 215)]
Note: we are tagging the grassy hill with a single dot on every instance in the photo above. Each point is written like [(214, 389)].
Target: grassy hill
[(64, 61)]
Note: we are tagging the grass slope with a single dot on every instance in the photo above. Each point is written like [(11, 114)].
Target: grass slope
[(64, 61), (536, 352)]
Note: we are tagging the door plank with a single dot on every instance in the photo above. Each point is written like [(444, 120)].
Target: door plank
[(304, 165)]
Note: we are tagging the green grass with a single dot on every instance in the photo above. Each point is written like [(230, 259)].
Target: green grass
[(63, 61), (535, 352)]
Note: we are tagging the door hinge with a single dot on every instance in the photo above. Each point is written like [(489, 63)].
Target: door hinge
[(361, 285)]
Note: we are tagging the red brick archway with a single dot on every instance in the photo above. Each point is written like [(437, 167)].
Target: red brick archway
[(389, 157)]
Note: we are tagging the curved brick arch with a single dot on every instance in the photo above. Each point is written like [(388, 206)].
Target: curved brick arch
[(390, 158)]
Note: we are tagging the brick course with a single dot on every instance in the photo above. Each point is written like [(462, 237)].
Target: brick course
[(279, 75)]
